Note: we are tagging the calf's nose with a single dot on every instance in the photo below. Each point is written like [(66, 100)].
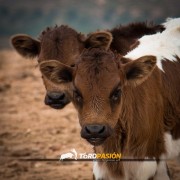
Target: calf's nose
[(56, 100), (56, 95), (95, 134), (95, 129)]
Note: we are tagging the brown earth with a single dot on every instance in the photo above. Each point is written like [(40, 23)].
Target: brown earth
[(29, 129)]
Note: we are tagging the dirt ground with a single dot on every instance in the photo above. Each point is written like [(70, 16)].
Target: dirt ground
[(29, 129)]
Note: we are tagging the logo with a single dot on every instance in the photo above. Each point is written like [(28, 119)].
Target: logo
[(73, 155)]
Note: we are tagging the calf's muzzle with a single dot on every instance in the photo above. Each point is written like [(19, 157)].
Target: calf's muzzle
[(95, 134), (56, 100)]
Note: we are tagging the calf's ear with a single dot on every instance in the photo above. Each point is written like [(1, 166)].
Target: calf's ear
[(137, 71), (56, 72), (25, 45), (101, 39)]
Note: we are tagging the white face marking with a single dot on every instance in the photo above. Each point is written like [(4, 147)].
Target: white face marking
[(172, 146), (163, 45)]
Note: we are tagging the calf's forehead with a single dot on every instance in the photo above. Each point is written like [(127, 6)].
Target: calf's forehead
[(62, 44), (97, 74)]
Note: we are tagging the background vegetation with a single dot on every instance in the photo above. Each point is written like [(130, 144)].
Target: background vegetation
[(31, 17)]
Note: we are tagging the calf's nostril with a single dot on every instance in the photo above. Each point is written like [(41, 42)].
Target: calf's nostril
[(102, 130), (62, 96), (87, 130), (47, 100)]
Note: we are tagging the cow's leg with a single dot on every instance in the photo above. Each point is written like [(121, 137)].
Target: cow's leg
[(162, 171), (168, 172)]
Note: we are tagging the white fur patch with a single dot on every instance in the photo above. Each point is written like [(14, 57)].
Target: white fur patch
[(163, 45), (172, 146), (140, 170), (133, 170), (146, 170), (171, 22), (99, 172)]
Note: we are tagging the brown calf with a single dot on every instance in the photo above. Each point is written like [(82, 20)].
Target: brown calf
[(61, 43), (128, 105), (65, 45)]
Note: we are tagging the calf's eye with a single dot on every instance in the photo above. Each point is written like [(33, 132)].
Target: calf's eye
[(116, 95), (77, 97)]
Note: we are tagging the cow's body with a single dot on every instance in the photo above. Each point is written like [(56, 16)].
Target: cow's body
[(166, 48), (166, 104)]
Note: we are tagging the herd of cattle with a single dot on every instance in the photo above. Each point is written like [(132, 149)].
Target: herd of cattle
[(125, 86)]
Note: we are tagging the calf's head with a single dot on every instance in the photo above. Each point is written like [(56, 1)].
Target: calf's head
[(97, 81), (63, 44)]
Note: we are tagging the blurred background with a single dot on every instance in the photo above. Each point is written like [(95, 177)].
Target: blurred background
[(29, 128), (31, 17)]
